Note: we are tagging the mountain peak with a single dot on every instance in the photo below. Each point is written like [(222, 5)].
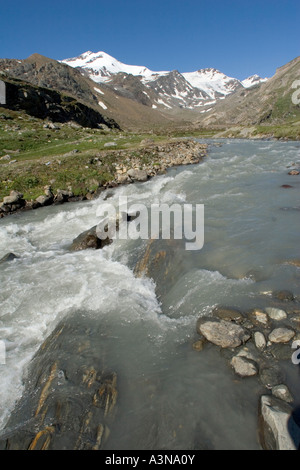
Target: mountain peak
[(253, 80)]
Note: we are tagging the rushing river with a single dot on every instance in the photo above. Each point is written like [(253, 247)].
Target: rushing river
[(251, 230)]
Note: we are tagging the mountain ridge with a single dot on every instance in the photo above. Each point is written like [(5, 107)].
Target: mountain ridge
[(213, 84)]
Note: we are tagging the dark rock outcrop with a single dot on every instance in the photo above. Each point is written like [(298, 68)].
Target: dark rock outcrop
[(45, 103), (8, 257), (89, 240)]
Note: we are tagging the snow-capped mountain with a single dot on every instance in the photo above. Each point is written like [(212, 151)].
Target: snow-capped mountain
[(101, 67), (216, 84), (164, 89), (253, 80)]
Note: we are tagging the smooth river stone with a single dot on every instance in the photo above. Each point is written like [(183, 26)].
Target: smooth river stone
[(224, 334), (276, 313), (281, 335)]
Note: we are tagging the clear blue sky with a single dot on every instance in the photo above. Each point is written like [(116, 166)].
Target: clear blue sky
[(238, 37)]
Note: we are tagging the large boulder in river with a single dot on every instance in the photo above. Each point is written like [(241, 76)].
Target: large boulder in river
[(89, 240)]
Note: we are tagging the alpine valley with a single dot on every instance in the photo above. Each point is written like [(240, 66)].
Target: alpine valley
[(157, 335), (134, 96)]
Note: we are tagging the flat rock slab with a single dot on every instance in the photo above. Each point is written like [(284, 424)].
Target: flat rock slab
[(224, 334)]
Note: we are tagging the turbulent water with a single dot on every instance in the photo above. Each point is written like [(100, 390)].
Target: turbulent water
[(183, 398)]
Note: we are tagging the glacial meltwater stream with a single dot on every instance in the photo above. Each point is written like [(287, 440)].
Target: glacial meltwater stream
[(170, 395)]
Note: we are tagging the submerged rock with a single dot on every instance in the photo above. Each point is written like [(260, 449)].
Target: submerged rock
[(259, 318), (228, 314), (284, 295), (70, 397), (8, 257), (271, 376)]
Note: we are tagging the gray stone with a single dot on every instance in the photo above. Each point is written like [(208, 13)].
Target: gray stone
[(137, 175), (224, 334), (259, 340), (276, 313), (278, 429), (281, 335), (13, 198), (243, 367), (281, 391)]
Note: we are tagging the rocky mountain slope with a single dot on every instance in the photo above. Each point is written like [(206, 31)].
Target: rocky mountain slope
[(127, 105), (45, 103), (268, 103)]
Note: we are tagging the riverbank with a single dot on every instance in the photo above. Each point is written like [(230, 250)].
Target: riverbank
[(98, 171)]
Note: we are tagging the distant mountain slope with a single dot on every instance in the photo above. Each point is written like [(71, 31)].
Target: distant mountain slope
[(268, 102), (193, 90)]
